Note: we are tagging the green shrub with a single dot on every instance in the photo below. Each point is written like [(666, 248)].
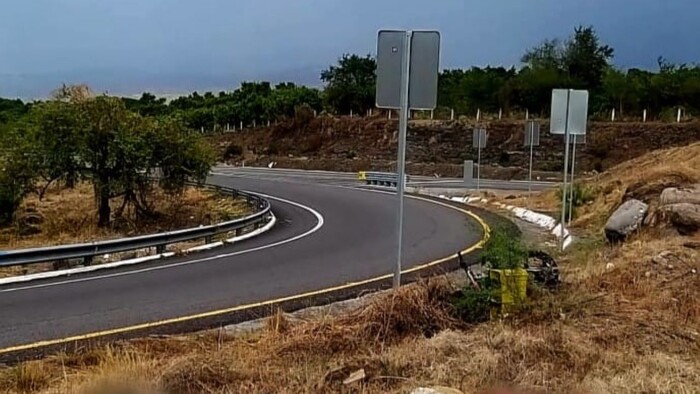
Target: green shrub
[(233, 151), (504, 250), (473, 305), (582, 195)]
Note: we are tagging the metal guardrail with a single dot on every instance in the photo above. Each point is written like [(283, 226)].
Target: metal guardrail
[(87, 251), (380, 178)]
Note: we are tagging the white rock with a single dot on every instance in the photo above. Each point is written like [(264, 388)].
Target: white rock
[(355, 376)]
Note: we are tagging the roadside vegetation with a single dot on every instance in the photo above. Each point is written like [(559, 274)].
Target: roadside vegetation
[(79, 142), (624, 320), (67, 215)]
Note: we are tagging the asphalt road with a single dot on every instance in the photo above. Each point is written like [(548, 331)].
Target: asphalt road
[(326, 236), (350, 179)]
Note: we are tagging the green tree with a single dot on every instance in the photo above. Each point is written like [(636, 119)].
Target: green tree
[(585, 58), (117, 150), (52, 128), (12, 109), (17, 170), (549, 55), (147, 105), (617, 89), (350, 85)]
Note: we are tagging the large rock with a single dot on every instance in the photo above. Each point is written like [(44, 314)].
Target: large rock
[(684, 216), (687, 195), (625, 220)]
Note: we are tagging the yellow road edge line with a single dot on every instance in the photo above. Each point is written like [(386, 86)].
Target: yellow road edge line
[(143, 326)]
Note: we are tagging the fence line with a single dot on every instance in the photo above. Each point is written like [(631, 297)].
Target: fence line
[(676, 115)]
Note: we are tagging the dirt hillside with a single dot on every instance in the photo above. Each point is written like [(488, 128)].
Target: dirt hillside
[(440, 147)]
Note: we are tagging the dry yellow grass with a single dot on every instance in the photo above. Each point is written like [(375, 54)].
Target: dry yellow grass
[(620, 323), (70, 216), (643, 178), (633, 328)]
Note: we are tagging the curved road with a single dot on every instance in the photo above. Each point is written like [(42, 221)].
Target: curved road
[(325, 236)]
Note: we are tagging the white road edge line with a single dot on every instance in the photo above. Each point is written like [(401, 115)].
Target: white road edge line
[(124, 263), (319, 224)]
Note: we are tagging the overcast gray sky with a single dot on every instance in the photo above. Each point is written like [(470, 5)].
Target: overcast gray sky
[(129, 46)]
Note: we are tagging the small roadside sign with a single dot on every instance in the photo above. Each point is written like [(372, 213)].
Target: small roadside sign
[(480, 137), (532, 133)]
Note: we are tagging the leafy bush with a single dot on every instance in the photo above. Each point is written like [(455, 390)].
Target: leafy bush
[(504, 250), (10, 200), (303, 115), (473, 305), (582, 195), (233, 151)]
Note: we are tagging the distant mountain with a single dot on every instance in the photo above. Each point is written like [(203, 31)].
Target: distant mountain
[(133, 83)]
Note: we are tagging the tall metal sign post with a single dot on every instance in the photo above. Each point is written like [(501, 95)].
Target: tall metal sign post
[(532, 139), (407, 78), (569, 117), (479, 139), (576, 140)]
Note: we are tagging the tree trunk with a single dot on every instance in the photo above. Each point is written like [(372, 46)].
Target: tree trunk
[(104, 210), (70, 181)]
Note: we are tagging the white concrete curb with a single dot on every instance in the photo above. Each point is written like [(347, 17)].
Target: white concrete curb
[(541, 220), (139, 260)]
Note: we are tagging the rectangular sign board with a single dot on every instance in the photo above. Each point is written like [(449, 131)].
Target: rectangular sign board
[(424, 67), (480, 137), (573, 103), (532, 130)]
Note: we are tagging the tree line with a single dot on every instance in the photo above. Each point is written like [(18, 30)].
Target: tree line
[(581, 61), (116, 143)]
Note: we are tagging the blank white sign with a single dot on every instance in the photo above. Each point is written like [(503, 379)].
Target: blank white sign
[(577, 101)]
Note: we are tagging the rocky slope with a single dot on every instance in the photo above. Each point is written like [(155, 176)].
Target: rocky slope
[(440, 147)]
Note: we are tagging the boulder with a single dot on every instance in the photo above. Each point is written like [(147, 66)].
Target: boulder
[(686, 195), (625, 220), (684, 216)]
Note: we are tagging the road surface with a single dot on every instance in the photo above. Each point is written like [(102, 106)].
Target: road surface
[(327, 236), (350, 179)]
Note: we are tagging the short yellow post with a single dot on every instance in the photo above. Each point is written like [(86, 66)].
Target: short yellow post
[(510, 290)]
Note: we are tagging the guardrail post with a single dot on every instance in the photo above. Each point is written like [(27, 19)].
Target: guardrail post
[(87, 260), (208, 239), (238, 232), (160, 249)]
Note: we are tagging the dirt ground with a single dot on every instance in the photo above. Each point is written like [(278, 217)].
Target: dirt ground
[(66, 215), (440, 147)]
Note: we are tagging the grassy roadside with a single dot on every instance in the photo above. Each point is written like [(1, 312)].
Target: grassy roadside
[(65, 216), (623, 321), (69, 216)]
